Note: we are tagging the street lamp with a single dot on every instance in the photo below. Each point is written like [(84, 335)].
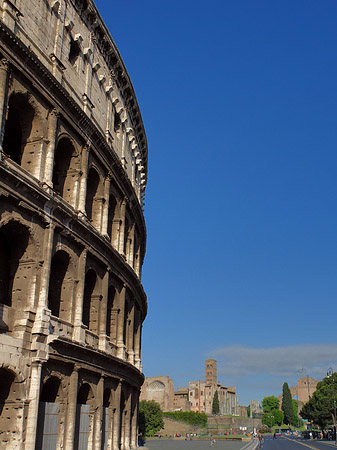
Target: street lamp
[(330, 374)]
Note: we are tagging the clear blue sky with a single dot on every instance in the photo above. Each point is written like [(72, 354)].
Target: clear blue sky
[(239, 101)]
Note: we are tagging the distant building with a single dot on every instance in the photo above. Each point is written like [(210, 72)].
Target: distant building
[(197, 397), (159, 389), (201, 393), (304, 389)]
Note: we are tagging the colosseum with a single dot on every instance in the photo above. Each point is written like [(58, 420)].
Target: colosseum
[(73, 171)]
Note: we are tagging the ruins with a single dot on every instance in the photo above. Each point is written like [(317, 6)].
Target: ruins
[(73, 171)]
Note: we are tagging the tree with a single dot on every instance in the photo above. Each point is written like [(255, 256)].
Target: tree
[(296, 422), (215, 404), (274, 417), (287, 404), (320, 407), (150, 417), (248, 411), (270, 403)]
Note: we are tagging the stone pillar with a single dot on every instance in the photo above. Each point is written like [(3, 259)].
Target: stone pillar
[(106, 204), (127, 423), (50, 152), (34, 399), (103, 339), (131, 331), (122, 227), (121, 324), (117, 417), (84, 176), (45, 271), (98, 415), (4, 70), (78, 334), (134, 420), (131, 239), (138, 327), (71, 411)]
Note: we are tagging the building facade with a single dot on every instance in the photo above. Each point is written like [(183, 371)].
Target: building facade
[(159, 389), (201, 393), (73, 170)]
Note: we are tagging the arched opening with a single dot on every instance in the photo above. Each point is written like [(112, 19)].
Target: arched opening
[(22, 131), (48, 418), (58, 270), (89, 286), (92, 207), (83, 417), (111, 324), (14, 273), (126, 236), (11, 407), (65, 170)]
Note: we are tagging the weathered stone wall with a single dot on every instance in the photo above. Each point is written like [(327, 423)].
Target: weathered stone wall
[(73, 162)]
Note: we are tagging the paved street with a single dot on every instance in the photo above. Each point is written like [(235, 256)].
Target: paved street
[(285, 443), (281, 443), (168, 444)]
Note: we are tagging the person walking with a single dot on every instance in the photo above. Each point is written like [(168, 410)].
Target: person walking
[(261, 441)]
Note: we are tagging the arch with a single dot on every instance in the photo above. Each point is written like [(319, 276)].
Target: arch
[(89, 287), (51, 390), (84, 417), (92, 205), (66, 169), (156, 386), (15, 240), (11, 404), (58, 271), (85, 394), (23, 131)]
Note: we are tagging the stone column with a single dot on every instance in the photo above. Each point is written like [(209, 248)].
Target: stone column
[(45, 271), (117, 417), (131, 331), (103, 339), (98, 415), (50, 152), (84, 176), (4, 70), (105, 215), (138, 327), (127, 423), (78, 334), (122, 227), (71, 411), (131, 239), (34, 399), (134, 420), (121, 324)]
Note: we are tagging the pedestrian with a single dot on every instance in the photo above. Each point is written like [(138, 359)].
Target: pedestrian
[(274, 436), (212, 441), (261, 441)]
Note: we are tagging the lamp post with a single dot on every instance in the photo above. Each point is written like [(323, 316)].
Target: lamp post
[(330, 374)]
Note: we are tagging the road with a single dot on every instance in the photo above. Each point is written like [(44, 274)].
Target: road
[(281, 443), (288, 443)]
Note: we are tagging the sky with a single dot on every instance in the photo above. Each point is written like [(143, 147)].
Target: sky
[(238, 99)]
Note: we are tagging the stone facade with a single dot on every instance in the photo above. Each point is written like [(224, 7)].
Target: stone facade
[(73, 170), (201, 393), (159, 389), (198, 397)]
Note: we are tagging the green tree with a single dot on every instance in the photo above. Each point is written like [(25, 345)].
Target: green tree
[(270, 403), (296, 420), (215, 404), (287, 404), (278, 416), (150, 417), (320, 407), (248, 411)]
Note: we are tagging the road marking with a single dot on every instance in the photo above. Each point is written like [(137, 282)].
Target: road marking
[(302, 443)]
